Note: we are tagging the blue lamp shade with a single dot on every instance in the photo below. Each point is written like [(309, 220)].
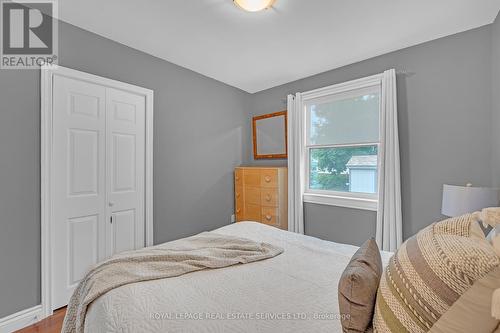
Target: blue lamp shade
[(459, 200)]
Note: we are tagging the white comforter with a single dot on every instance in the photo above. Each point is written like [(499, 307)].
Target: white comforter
[(293, 292)]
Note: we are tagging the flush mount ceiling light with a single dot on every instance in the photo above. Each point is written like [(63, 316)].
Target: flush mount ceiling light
[(254, 5)]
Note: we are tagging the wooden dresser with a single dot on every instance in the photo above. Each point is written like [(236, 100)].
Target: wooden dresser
[(261, 195)]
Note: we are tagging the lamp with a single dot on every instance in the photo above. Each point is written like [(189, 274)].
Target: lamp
[(254, 5), (459, 200)]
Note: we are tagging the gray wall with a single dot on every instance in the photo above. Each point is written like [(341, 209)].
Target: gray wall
[(495, 76), (200, 136), (444, 104), (339, 224)]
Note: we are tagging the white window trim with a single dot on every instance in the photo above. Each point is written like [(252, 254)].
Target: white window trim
[(341, 201), (361, 201)]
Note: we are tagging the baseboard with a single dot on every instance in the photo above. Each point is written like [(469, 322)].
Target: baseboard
[(20, 319)]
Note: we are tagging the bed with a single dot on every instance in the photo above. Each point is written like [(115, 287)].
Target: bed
[(293, 292)]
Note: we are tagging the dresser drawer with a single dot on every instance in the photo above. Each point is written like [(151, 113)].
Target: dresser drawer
[(269, 197), (238, 177), (252, 212), (269, 178), (270, 216), (251, 177), (252, 195)]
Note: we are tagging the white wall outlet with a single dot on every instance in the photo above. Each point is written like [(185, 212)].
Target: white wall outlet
[(233, 218)]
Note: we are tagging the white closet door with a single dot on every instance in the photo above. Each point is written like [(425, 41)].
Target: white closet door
[(97, 178), (78, 183), (126, 115)]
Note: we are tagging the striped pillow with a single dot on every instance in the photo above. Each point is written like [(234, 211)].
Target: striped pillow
[(429, 273)]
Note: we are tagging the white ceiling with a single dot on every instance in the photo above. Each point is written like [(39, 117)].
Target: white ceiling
[(293, 40)]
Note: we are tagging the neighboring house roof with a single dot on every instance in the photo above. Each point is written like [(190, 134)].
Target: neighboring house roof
[(362, 161)]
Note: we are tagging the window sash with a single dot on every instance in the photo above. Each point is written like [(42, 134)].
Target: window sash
[(337, 96), (346, 194)]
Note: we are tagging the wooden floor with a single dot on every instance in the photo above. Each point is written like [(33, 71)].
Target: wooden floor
[(52, 324)]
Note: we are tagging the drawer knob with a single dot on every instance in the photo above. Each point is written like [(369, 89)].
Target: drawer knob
[(269, 217), (237, 195), (237, 178), (267, 179), (268, 197), (238, 210)]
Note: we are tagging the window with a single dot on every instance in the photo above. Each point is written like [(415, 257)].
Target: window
[(341, 146)]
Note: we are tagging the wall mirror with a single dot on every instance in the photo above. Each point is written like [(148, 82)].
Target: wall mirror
[(270, 136)]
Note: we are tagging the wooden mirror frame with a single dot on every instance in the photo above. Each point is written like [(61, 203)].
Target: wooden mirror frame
[(256, 156)]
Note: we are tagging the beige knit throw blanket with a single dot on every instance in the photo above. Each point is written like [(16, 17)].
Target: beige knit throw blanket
[(202, 251)]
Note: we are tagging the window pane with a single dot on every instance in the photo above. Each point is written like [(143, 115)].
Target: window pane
[(345, 169), (348, 120)]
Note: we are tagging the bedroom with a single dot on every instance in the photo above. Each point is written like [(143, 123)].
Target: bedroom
[(212, 67)]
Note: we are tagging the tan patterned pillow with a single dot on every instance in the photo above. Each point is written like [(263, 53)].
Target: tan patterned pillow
[(429, 273)]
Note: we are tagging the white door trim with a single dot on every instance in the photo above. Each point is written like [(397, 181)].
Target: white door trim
[(47, 76)]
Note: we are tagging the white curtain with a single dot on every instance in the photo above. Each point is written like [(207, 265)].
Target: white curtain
[(389, 232), (295, 161)]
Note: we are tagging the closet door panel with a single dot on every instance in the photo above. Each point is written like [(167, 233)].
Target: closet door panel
[(82, 240), (124, 232), (83, 169), (123, 168), (125, 114)]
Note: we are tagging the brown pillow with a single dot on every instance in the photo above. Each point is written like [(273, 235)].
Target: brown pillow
[(358, 288)]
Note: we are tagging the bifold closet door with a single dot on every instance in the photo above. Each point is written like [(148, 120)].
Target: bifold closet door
[(97, 178), (78, 183), (125, 157)]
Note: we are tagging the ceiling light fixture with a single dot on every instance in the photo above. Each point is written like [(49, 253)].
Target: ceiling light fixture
[(254, 5)]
